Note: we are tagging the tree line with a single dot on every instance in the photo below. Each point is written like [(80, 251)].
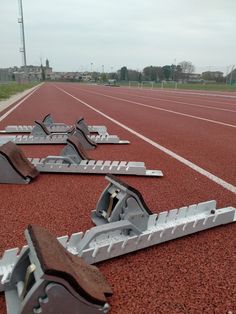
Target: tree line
[(156, 73)]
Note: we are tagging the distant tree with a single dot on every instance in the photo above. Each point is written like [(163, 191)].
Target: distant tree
[(178, 73), (43, 76), (113, 76), (124, 74), (140, 77), (150, 73), (167, 72), (146, 73), (133, 75), (103, 77), (159, 74), (187, 67)]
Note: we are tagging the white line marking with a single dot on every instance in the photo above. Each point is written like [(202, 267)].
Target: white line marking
[(18, 104), (169, 90), (186, 162), (162, 109), (181, 102)]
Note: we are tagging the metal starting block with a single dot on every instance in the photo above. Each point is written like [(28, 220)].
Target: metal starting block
[(44, 278), (48, 279), (16, 168), (124, 224), (73, 159), (41, 135), (58, 127)]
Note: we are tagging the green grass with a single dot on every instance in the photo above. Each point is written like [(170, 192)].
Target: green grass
[(196, 86), (208, 87), (7, 90)]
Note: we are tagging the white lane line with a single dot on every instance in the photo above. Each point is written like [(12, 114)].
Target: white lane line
[(162, 109), (169, 90), (18, 104), (202, 97), (184, 161), (181, 102)]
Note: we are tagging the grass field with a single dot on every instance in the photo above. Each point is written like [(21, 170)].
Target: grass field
[(7, 90), (196, 86)]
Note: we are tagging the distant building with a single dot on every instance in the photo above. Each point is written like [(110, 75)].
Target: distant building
[(33, 73), (194, 77), (6, 75), (213, 76)]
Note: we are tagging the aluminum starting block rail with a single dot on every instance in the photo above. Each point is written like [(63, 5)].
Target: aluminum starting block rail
[(15, 168), (124, 224), (41, 135), (57, 127)]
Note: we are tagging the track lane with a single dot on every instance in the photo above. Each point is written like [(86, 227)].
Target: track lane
[(204, 144), (200, 98), (227, 102), (210, 115), (63, 204)]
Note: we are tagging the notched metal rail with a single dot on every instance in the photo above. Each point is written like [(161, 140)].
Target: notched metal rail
[(73, 159), (56, 165)]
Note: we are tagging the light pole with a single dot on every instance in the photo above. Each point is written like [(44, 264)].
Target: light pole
[(91, 66), (21, 22)]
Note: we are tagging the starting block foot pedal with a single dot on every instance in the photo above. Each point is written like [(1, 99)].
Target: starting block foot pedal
[(48, 279), (14, 166)]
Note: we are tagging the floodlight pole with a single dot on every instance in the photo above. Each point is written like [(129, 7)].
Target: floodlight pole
[(21, 22)]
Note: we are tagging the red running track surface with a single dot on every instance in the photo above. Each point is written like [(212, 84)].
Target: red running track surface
[(195, 274)]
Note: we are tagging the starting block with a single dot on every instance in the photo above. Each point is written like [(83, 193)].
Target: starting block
[(58, 127), (73, 159), (124, 224), (42, 135), (49, 279), (14, 166)]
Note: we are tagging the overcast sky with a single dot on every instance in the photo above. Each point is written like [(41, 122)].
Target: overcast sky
[(72, 34)]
